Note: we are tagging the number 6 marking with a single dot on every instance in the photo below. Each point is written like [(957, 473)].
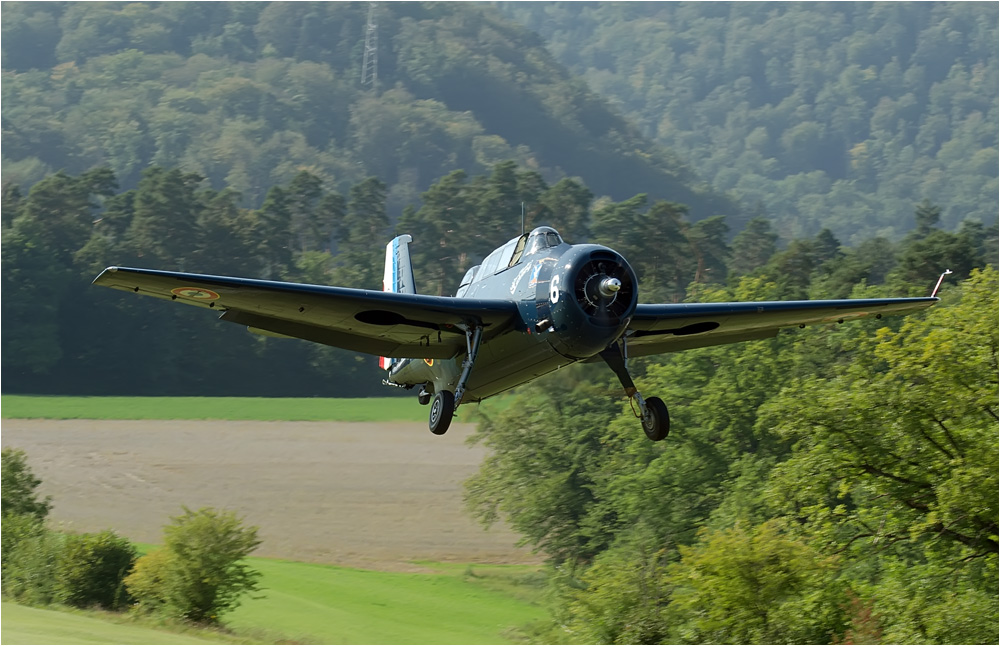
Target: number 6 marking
[(554, 289)]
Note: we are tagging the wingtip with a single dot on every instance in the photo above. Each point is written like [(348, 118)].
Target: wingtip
[(107, 271)]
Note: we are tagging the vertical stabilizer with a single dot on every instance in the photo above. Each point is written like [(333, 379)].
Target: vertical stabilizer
[(398, 276)]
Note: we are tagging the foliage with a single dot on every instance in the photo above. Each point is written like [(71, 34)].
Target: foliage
[(542, 481), (29, 569), (754, 587), (622, 598), (148, 582), (41, 566), (17, 530), (90, 569), (19, 486), (827, 485), (838, 116), (201, 573)]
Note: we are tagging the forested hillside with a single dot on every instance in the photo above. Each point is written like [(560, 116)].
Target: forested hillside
[(248, 94), (838, 115)]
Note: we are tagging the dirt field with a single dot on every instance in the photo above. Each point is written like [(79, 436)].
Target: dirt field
[(360, 494)]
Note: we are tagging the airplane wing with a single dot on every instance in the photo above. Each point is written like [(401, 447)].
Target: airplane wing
[(657, 329), (373, 322)]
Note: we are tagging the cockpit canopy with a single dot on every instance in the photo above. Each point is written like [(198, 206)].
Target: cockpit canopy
[(510, 254), (542, 238)]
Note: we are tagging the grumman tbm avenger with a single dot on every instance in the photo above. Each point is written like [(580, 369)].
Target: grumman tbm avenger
[(533, 305)]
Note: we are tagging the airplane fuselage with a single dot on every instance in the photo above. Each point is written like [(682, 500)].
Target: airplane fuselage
[(557, 288)]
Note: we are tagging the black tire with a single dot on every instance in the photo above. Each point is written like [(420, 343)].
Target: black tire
[(423, 398), (656, 421), (442, 410)]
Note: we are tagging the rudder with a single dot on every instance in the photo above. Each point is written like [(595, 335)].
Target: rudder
[(398, 276)]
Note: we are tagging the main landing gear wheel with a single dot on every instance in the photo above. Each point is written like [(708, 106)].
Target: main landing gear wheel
[(442, 410), (656, 419), (652, 411), (423, 397)]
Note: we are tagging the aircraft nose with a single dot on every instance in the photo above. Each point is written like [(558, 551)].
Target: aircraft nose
[(610, 286)]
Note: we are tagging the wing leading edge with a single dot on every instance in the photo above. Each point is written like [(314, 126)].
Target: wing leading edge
[(656, 329), (380, 323)]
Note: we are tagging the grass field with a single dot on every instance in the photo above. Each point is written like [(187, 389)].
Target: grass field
[(290, 409), (23, 625), (454, 604), (309, 603)]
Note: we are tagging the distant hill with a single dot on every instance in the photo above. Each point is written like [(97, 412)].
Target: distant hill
[(842, 115), (248, 94)]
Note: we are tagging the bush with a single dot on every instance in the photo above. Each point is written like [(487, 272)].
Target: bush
[(91, 568), (147, 583), (30, 567), (17, 528), (199, 575), (41, 566)]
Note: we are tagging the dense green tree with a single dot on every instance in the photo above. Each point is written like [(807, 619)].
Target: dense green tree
[(19, 488), (541, 482), (440, 251), (708, 244), (754, 587), (360, 263), (33, 288), (276, 241), (896, 462), (567, 208), (163, 226), (753, 246)]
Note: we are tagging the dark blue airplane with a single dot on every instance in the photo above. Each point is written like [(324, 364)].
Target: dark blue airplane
[(534, 305)]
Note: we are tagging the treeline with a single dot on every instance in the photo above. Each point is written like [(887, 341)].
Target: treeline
[(63, 336), (833, 485), (246, 95), (836, 115)]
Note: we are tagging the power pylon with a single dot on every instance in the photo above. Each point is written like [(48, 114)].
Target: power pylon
[(369, 67)]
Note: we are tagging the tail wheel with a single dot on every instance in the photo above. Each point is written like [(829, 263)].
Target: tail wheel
[(656, 419), (442, 410)]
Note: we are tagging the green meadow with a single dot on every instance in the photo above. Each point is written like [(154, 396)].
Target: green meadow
[(311, 603), (263, 409), (290, 409), (453, 604), (24, 625)]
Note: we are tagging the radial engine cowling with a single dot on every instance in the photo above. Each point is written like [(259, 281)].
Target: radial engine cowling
[(593, 295)]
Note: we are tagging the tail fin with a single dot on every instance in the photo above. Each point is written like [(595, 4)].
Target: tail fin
[(398, 276)]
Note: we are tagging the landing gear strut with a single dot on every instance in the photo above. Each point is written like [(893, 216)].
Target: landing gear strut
[(445, 402), (652, 411)]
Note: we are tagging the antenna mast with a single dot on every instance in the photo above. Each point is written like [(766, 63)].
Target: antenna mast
[(369, 67)]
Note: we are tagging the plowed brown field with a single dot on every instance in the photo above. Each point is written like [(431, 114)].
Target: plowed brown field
[(373, 495)]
